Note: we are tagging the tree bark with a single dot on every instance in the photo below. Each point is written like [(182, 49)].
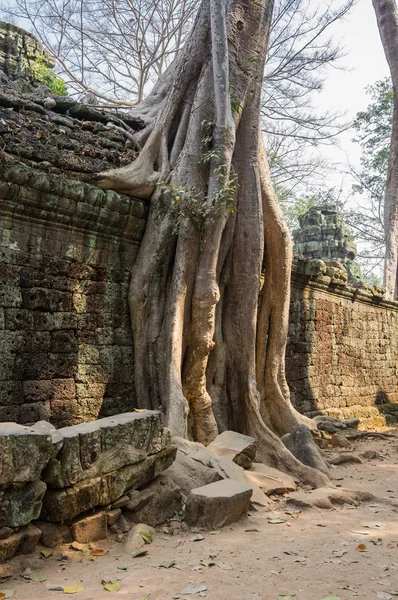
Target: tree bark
[(204, 350), (387, 21)]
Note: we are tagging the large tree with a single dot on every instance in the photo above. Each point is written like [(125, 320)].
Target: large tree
[(209, 293), (387, 21)]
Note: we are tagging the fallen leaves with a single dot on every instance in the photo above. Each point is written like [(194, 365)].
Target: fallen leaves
[(207, 562), (168, 564), (97, 552), (46, 552), (361, 548), (193, 590), (146, 536), (33, 576), (7, 593), (74, 589), (139, 553), (276, 520), (197, 538), (112, 586)]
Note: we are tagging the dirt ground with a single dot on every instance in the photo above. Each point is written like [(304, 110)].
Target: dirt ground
[(313, 555)]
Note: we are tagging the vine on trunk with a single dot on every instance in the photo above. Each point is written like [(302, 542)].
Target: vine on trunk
[(209, 293)]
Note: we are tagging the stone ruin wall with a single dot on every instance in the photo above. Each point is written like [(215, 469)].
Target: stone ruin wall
[(342, 354), (66, 250)]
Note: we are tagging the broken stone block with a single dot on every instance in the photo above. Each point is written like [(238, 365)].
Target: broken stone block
[(269, 480), (341, 459), (121, 502), (66, 504), (339, 440), (371, 454), (24, 453), (188, 473), (23, 541), (227, 469), (21, 503), (217, 504), (93, 449), (164, 502), (239, 448), (194, 450), (90, 529), (44, 427), (112, 516), (138, 499), (53, 535), (301, 444)]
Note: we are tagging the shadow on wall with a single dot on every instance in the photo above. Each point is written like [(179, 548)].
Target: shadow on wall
[(300, 368)]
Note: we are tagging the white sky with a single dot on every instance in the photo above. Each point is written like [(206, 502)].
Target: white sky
[(364, 63)]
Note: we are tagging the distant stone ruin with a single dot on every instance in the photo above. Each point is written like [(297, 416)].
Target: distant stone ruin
[(18, 50), (322, 235)]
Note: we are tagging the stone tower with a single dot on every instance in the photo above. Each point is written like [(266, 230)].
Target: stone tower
[(322, 235)]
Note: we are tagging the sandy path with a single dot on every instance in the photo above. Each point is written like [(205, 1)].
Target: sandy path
[(313, 556)]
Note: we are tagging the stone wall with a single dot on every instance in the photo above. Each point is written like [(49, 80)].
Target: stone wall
[(66, 250), (58, 475), (342, 355)]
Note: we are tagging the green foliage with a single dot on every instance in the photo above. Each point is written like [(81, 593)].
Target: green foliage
[(373, 128), (45, 76)]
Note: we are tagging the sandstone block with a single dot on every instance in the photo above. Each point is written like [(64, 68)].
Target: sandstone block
[(21, 503), (194, 450), (269, 480), (23, 541), (112, 516), (164, 502), (227, 469), (90, 529), (239, 448), (65, 504), (217, 504), (93, 449), (24, 453), (187, 473), (53, 535)]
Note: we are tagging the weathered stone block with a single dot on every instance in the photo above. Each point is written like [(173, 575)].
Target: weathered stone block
[(217, 504), (164, 502), (24, 453), (90, 529), (23, 541), (65, 504), (239, 448), (93, 449), (21, 503)]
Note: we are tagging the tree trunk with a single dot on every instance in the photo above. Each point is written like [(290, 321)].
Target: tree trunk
[(209, 329), (387, 21)]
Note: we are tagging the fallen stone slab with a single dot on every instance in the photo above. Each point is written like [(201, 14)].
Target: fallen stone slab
[(90, 450), (66, 504), (327, 498), (91, 528), (188, 473), (341, 459), (23, 541), (301, 444), (217, 504), (239, 448), (230, 470), (194, 450), (112, 516), (21, 503), (333, 425), (24, 453), (269, 480), (165, 501), (138, 499)]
